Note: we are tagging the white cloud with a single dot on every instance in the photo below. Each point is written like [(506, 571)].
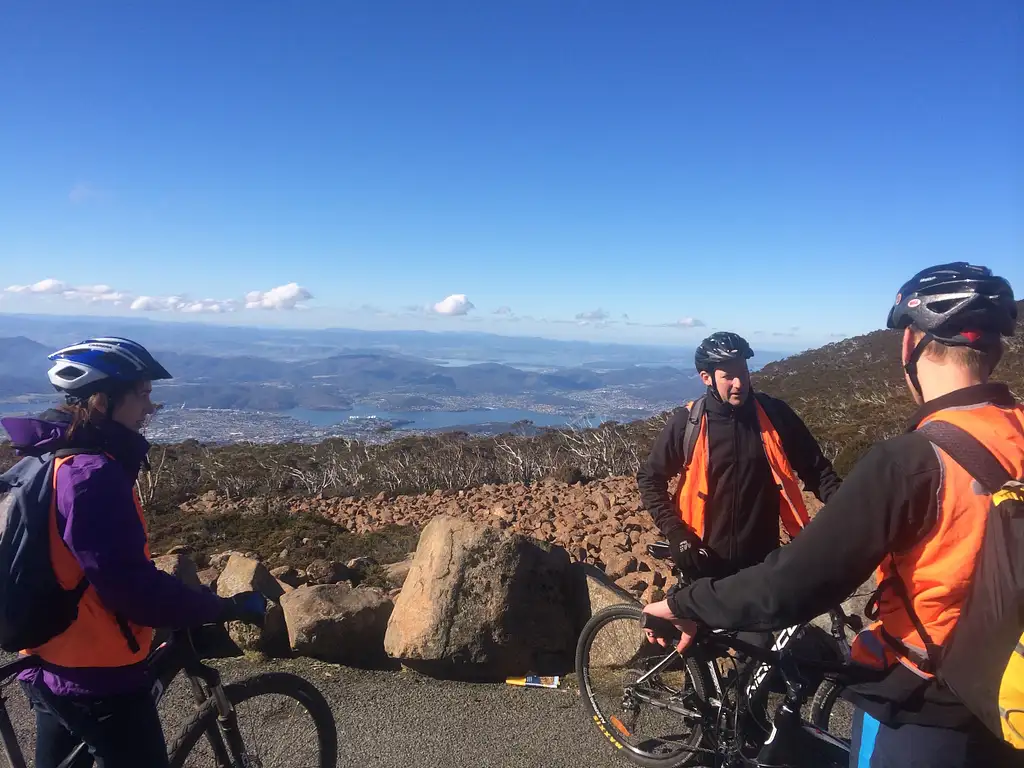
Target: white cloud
[(288, 296), (685, 322), (209, 305), (83, 192), (456, 304), (93, 289), (182, 304), (148, 304), (594, 316), (49, 285), (505, 310), (97, 294), (157, 303)]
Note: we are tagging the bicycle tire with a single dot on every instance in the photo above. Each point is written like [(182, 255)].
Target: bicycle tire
[(695, 670), (278, 683), (821, 707)]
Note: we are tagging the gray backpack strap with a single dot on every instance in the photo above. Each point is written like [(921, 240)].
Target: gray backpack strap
[(967, 451), (692, 431)]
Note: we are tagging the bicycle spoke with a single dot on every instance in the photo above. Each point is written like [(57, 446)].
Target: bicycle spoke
[(642, 694), (276, 731)]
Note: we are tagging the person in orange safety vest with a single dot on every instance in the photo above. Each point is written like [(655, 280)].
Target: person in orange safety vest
[(745, 453)]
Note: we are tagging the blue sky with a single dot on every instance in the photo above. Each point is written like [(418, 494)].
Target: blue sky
[(773, 168)]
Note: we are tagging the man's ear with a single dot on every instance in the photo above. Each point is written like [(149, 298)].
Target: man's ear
[(908, 345), (707, 379)]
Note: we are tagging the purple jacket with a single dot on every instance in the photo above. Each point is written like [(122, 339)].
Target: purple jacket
[(103, 532)]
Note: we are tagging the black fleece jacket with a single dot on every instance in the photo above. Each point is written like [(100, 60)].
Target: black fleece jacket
[(742, 517)]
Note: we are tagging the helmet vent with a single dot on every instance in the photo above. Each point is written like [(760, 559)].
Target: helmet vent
[(69, 373)]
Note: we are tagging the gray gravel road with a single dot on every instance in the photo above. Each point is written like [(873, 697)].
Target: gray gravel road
[(392, 719), (401, 719)]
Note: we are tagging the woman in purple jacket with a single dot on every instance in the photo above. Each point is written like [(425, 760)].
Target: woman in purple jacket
[(93, 682)]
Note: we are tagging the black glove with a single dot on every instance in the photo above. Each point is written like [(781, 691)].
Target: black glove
[(691, 557), (250, 607)]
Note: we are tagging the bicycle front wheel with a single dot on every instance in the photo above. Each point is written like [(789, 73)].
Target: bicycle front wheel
[(656, 722), (283, 720)]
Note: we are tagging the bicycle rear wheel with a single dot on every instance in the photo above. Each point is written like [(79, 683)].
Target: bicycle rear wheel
[(283, 721), (657, 723), (832, 713)]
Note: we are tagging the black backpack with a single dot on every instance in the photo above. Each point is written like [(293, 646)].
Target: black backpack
[(982, 660), (34, 608)]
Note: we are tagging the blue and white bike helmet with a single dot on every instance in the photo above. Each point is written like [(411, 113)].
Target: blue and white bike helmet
[(105, 364)]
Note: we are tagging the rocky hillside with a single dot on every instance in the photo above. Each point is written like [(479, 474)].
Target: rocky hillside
[(602, 523)]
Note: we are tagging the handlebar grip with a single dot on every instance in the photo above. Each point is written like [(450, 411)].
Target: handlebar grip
[(662, 628)]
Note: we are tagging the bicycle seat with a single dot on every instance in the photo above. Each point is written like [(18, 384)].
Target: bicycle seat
[(660, 550)]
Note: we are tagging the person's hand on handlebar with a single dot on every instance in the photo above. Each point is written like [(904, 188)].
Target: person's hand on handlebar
[(661, 610), (248, 607)]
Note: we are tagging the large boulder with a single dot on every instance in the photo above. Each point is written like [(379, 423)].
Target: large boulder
[(482, 603), (180, 566), (242, 574), (208, 578), (285, 574), (396, 573), (617, 642), (337, 623), (327, 572), (596, 591), (220, 560)]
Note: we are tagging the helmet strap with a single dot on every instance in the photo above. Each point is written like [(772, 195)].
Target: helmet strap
[(911, 365)]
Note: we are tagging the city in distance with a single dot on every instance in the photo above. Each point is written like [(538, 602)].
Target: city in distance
[(245, 383)]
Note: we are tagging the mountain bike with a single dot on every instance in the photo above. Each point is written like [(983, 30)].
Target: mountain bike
[(704, 714), (215, 735)]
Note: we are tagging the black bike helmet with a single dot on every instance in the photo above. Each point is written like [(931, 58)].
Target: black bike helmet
[(956, 304), (721, 347), (959, 304)]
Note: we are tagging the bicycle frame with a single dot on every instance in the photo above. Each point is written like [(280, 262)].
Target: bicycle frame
[(175, 655), (790, 734), (785, 636)]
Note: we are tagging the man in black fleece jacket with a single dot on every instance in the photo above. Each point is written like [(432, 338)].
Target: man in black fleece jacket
[(728, 517)]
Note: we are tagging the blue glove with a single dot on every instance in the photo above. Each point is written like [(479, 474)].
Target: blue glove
[(250, 607)]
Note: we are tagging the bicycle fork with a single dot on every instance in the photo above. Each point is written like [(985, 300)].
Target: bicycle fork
[(227, 725)]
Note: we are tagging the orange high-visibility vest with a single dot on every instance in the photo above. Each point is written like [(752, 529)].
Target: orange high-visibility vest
[(95, 638), (693, 496), (937, 570)]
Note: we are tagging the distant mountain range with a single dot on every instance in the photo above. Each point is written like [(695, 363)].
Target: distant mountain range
[(315, 344), (250, 382)]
